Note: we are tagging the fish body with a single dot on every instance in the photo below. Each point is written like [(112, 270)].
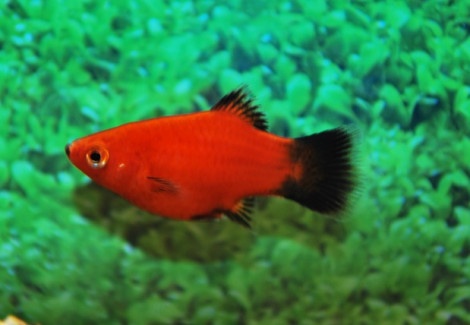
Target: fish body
[(205, 164)]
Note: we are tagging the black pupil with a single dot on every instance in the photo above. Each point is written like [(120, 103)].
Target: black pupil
[(95, 156)]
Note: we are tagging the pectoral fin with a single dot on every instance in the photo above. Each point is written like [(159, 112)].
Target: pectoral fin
[(162, 185)]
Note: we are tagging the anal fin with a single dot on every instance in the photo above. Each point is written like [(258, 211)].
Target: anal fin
[(241, 212)]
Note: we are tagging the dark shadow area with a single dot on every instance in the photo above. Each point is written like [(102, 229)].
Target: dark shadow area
[(205, 241), (201, 241)]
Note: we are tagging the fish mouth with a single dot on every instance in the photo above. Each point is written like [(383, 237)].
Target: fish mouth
[(67, 150)]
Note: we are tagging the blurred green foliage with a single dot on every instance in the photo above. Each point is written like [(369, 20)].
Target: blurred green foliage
[(399, 70)]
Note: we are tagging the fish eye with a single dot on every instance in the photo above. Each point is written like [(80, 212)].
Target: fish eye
[(97, 157)]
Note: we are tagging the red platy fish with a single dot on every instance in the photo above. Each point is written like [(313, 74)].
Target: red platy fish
[(207, 164)]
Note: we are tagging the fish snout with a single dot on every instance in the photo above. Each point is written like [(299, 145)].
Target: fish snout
[(67, 150)]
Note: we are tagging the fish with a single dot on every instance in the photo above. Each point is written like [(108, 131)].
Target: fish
[(209, 164)]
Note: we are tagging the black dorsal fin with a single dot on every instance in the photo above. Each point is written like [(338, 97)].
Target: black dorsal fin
[(241, 211), (237, 102)]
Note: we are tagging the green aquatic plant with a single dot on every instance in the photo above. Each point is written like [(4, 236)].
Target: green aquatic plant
[(399, 70)]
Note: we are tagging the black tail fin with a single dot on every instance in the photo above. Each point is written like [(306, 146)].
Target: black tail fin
[(329, 175)]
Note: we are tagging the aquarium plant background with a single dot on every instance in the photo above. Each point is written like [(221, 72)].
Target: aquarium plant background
[(400, 71)]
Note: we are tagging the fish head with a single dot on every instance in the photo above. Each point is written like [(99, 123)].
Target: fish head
[(104, 158)]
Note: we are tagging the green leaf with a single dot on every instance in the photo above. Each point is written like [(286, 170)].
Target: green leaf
[(463, 215), (154, 310), (462, 108), (22, 172), (394, 104), (397, 13), (4, 173), (90, 113), (334, 98), (455, 178), (285, 67), (314, 8), (465, 48), (303, 33), (425, 77), (229, 80), (371, 54), (298, 91), (267, 52)]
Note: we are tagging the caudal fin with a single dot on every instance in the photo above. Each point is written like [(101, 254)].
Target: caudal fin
[(328, 174)]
